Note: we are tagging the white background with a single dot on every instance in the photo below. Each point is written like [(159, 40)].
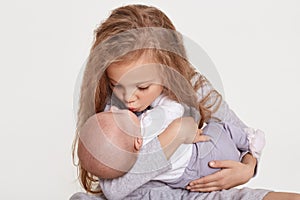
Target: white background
[(255, 46)]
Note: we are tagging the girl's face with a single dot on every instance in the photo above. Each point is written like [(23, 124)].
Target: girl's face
[(136, 84)]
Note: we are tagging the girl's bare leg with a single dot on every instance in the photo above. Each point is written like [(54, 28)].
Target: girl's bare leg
[(281, 196)]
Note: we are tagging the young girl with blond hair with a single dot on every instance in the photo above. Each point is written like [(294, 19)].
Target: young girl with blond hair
[(143, 35)]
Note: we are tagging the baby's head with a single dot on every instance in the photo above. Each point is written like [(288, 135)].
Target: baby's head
[(109, 143)]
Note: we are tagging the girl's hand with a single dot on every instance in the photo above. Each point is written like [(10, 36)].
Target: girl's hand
[(232, 174)]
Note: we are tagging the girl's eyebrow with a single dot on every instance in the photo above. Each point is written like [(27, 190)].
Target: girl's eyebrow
[(144, 82), (138, 83)]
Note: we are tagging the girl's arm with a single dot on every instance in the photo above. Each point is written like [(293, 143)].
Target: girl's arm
[(226, 115), (223, 113), (233, 173)]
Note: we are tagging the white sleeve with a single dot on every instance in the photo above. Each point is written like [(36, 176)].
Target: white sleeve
[(155, 121)]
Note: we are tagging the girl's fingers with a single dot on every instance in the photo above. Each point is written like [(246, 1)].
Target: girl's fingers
[(207, 179), (210, 189), (203, 185), (222, 164)]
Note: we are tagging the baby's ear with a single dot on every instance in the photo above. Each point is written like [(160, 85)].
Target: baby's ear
[(138, 142)]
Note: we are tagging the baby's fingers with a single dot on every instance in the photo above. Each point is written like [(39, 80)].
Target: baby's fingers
[(200, 138)]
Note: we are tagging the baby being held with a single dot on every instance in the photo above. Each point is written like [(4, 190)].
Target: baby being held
[(109, 143)]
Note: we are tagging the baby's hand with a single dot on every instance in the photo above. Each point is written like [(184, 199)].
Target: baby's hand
[(199, 137), (187, 131)]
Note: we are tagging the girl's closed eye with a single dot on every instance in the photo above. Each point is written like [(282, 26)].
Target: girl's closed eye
[(143, 87)]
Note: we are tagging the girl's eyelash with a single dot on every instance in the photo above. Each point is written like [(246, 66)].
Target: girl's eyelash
[(143, 88), (140, 88)]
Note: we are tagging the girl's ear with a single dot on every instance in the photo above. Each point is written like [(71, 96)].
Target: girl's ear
[(138, 142)]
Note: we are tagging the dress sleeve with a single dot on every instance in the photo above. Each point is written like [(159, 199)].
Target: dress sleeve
[(226, 115), (223, 113), (150, 163)]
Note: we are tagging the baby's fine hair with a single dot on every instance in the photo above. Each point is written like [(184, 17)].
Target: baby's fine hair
[(127, 34), (113, 133)]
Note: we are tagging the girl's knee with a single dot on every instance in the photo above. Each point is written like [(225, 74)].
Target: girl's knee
[(281, 195)]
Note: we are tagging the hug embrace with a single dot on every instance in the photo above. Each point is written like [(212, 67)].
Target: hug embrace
[(151, 126)]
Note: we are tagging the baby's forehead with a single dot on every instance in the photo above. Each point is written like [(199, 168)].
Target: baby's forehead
[(119, 120)]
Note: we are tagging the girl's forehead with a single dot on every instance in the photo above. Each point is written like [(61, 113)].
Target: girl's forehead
[(132, 63), (133, 71)]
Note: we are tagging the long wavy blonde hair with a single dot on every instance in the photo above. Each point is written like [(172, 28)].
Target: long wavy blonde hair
[(127, 34)]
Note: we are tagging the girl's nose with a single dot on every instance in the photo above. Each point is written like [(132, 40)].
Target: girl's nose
[(129, 96)]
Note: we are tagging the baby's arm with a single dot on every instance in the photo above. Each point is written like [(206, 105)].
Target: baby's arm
[(246, 139), (238, 135)]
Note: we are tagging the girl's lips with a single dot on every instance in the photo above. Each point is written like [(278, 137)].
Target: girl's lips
[(132, 109)]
